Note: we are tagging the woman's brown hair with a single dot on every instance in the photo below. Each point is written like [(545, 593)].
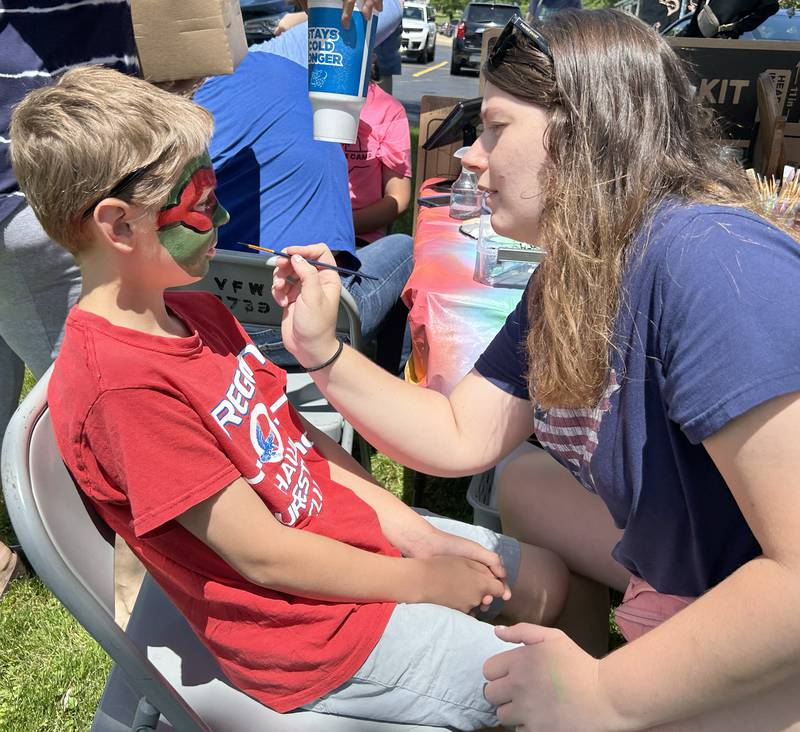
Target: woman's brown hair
[(625, 132)]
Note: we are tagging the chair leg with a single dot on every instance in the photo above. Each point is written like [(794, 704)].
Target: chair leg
[(364, 453), (146, 717), (349, 436)]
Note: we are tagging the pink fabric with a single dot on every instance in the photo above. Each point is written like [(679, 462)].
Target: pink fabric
[(643, 608), (383, 141)]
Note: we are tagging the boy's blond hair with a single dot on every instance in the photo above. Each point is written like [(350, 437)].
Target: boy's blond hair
[(73, 142)]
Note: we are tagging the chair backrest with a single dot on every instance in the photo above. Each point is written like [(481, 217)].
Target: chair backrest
[(71, 548), (243, 282)]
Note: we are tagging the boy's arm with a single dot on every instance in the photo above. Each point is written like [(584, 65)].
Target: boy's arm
[(405, 529), (237, 525)]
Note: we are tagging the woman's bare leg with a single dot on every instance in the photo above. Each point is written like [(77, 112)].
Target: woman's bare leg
[(543, 505), (540, 591)]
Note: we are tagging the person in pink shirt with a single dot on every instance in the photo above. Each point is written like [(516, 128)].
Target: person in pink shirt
[(379, 166)]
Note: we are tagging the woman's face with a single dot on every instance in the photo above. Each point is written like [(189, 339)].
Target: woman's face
[(507, 159)]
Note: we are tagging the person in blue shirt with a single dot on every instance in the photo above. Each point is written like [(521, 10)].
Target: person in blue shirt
[(656, 356), (284, 188)]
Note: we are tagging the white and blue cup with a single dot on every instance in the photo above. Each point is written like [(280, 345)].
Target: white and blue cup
[(338, 68)]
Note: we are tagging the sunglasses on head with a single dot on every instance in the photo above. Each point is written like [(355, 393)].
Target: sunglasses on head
[(510, 38), (124, 183)]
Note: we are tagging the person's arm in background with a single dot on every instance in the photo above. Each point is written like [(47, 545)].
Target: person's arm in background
[(383, 213), (293, 44), (290, 20), (392, 142)]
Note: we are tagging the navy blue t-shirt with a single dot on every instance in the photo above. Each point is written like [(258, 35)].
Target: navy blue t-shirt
[(709, 328), (43, 38)]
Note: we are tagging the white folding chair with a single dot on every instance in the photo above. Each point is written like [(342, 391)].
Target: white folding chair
[(243, 282), (163, 678)]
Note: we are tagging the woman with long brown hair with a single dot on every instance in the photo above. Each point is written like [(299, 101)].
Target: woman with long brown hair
[(655, 354)]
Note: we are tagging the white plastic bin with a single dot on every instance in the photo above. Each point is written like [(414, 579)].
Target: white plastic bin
[(481, 494)]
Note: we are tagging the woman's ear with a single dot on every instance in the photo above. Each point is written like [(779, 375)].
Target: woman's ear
[(111, 219)]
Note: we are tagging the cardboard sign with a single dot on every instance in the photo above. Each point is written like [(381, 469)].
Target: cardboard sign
[(490, 36), (185, 39), (726, 73)]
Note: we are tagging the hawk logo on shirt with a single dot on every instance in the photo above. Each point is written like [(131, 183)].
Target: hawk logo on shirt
[(265, 437), (571, 435), (267, 445)]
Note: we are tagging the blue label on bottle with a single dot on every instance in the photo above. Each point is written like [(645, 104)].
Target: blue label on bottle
[(339, 59)]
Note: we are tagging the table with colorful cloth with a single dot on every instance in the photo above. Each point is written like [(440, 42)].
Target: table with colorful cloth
[(452, 317)]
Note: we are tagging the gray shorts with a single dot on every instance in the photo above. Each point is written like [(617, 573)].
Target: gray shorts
[(427, 666)]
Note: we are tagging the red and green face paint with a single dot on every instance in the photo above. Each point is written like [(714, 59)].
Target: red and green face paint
[(187, 224)]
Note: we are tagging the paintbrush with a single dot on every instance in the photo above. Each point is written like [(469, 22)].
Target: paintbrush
[(313, 262)]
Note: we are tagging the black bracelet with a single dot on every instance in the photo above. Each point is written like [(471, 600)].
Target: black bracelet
[(329, 361)]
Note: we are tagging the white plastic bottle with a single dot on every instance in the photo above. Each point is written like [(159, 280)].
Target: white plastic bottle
[(338, 68)]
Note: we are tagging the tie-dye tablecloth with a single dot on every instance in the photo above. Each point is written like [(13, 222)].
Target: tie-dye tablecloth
[(452, 317)]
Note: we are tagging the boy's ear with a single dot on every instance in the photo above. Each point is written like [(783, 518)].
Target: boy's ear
[(112, 219)]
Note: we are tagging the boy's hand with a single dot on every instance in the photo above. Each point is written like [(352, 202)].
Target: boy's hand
[(435, 542), (310, 301), (460, 583)]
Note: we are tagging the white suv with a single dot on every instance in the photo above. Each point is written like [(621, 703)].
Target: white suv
[(419, 31)]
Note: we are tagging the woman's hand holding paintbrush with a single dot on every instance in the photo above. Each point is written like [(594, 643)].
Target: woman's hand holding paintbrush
[(310, 301), (323, 265)]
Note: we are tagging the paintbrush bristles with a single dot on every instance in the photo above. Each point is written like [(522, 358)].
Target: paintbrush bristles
[(263, 249)]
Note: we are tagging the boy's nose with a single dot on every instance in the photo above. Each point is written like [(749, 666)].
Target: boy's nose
[(221, 216)]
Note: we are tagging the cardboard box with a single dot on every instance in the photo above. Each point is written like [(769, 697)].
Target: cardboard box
[(726, 74), (185, 39)]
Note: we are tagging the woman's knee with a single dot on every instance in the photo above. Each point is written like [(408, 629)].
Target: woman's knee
[(541, 503)]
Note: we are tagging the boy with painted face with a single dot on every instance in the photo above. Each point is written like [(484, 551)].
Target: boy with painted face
[(311, 585)]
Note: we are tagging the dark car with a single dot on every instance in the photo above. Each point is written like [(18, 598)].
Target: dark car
[(261, 17), (469, 32)]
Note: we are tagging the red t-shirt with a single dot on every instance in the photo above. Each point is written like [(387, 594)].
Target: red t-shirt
[(150, 426)]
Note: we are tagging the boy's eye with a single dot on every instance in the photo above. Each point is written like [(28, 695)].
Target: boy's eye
[(207, 203)]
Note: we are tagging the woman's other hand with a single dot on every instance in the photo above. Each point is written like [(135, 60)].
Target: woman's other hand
[(548, 684), (310, 301)]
